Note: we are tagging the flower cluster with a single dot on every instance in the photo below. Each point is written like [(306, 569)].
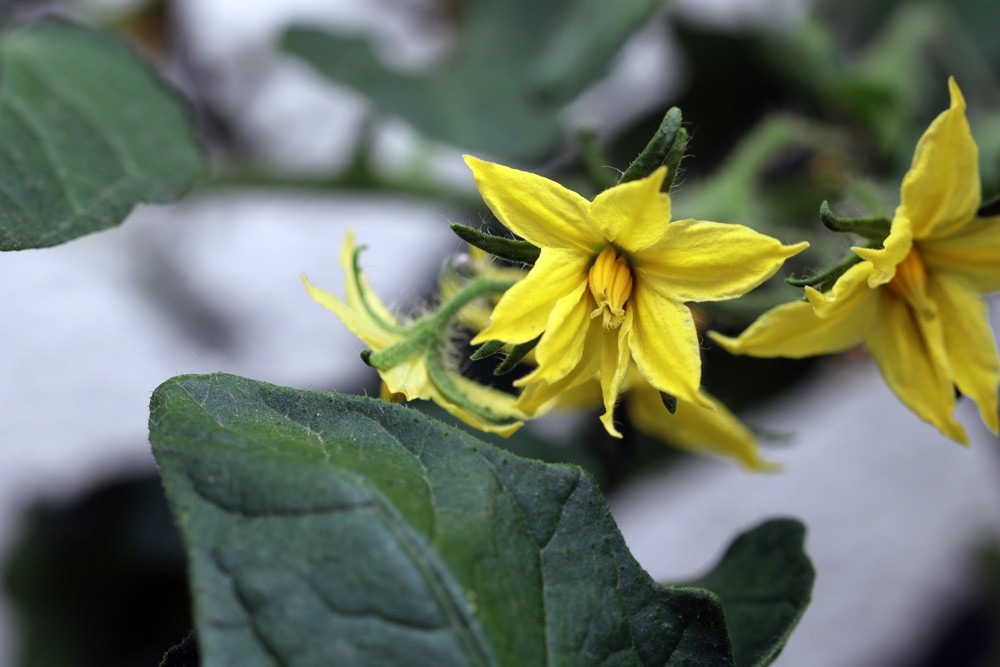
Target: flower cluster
[(602, 307)]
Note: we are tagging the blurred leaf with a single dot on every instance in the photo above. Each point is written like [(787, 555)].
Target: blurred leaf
[(765, 583), (87, 131), (513, 66), (326, 529)]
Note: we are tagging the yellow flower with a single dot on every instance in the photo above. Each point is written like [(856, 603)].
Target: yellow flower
[(611, 282), (407, 358), (915, 302)]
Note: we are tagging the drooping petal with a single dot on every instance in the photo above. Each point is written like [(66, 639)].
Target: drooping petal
[(710, 261), (358, 292), (358, 321), (541, 396), (909, 352), (633, 215), (615, 357), (409, 378), (971, 252), (523, 311), (695, 428), (942, 189), (494, 413), (893, 251), (561, 346), (539, 210), (795, 330), (969, 343), (664, 344)]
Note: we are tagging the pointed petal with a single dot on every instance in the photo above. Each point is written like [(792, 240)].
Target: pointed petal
[(942, 188), (358, 321), (541, 396), (561, 346), (615, 357), (969, 342), (523, 311), (533, 207), (795, 330), (359, 293), (695, 428), (664, 344), (633, 215), (710, 261), (909, 353), (971, 252), (893, 251)]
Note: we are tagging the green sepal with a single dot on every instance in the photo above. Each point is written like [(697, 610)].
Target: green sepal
[(487, 349), (666, 149), (825, 280), (514, 357), (510, 249), (440, 377), (875, 228), (669, 402)]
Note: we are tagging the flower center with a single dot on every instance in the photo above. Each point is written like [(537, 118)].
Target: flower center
[(910, 279), (610, 281)]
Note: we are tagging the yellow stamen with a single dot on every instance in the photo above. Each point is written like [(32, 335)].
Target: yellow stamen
[(610, 281), (910, 283), (910, 278)]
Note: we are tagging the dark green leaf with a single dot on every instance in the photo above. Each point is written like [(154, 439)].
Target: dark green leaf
[(487, 349), (514, 65), (338, 530), (510, 249), (87, 131), (765, 582)]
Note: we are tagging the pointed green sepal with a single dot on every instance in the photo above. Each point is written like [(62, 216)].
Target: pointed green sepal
[(448, 382), (875, 228), (510, 249), (487, 349), (669, 402), (366, 356), (666, 149), (824, 280), (514, 357)]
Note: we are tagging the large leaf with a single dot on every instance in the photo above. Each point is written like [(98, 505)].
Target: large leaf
[(336, 530), (87, 131), (514, 65)]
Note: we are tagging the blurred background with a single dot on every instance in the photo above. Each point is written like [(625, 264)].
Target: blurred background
[(324, 116)]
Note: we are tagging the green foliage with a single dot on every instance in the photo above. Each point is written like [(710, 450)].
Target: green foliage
[(327, 529), (87, 131), (513, 66)]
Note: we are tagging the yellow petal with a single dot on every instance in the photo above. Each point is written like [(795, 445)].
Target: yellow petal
[(561, 346), (710, 261), (795, 329), (358, 292), (969, 343), (664, 344), (971, 252), (409, 378), (533, 207), (523, 311), (893, 251), (693, 427), (499, 402), (909, 352), (615, 356), (633, 215), (541, 396), (358, 321), (942, 188)]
